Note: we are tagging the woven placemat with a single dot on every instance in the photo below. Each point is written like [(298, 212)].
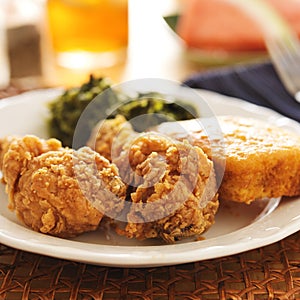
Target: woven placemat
[(271, 272)]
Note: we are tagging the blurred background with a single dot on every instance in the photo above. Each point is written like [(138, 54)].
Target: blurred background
[(28, 56), (45, 43)]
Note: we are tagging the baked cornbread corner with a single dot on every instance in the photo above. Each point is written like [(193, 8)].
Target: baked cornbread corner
[(262, 160)]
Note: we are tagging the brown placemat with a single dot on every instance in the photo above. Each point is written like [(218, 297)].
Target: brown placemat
[(271, 272)]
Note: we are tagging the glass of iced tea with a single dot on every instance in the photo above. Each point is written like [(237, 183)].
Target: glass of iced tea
[(88, 33)]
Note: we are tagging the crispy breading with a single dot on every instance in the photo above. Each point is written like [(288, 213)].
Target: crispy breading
[(173, 188), (108, 136), (17, 152), (4, 145), (60, 191), (262, 160)]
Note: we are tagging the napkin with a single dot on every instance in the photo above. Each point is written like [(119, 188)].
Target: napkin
[(257, 83)]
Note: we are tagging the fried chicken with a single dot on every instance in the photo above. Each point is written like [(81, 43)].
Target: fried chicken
[(16, 152), (173, 188), (4, 145), (60, 191), (108, 136), (170, 186)]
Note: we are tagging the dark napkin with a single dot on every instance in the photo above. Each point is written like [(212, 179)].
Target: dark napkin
[(258, 84)]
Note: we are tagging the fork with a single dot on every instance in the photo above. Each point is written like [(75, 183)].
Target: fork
[(281, 41), (285, 55)]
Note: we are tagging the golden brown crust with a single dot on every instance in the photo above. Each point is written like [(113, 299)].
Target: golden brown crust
[(18, 152), (60, 191), (174, 188), (262, 161), (108, 136), (49, 199), (4, 145)]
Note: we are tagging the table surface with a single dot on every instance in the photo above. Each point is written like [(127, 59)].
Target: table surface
[(270, 272)]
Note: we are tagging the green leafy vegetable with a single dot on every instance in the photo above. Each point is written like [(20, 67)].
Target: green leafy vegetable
[(75, 112), (66, 110), (154, 110)]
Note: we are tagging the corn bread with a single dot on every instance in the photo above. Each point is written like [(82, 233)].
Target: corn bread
[(262, 160)]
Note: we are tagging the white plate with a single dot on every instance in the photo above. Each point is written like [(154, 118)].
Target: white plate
[(238, 227)]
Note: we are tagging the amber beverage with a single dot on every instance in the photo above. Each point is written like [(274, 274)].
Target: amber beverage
[(88, 32)]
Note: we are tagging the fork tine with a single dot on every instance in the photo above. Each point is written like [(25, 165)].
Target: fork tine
[(285, 54), (282, 42)]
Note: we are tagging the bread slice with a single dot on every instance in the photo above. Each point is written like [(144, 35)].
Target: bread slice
[(262, 160)]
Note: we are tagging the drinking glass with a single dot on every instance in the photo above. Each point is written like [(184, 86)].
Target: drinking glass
[(88, 33)]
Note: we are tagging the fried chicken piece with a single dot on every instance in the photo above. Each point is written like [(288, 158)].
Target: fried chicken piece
[(61, 192), (15, 154), (174, 188), (4, 145), (108, 136), (179, 204)]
